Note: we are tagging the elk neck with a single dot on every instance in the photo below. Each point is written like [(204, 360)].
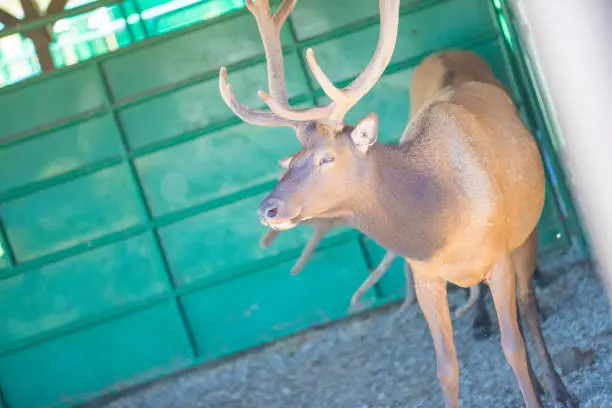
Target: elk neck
[(402, 204)]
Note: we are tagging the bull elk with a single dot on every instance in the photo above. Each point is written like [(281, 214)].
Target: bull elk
[(323, 226), (459, 198)]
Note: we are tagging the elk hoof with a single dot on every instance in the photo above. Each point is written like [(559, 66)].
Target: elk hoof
[(356, 299), (563, 399), (296, 269), (356, 306)]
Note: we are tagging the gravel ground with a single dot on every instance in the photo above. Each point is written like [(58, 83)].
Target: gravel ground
[(380, 360)]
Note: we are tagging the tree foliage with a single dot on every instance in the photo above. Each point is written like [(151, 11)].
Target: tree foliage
[(41, 37)]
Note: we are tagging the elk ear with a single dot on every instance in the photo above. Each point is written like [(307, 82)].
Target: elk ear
[(284, 163), (364, 135)]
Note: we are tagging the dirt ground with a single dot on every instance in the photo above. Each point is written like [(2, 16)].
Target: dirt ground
[(381, 360)]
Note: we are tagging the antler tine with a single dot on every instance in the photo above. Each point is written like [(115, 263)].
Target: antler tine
[(269, 28), (256, 117), (345, 99), (342, 100), (283, 12)]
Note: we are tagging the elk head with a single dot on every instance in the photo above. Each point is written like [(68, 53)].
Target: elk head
[(329, 167)]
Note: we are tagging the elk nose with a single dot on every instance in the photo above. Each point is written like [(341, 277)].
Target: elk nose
[(269, 210)]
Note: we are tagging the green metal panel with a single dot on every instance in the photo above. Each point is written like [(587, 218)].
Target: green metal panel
[(220, 243), (217, 242), (77, 211), (130, 242), (80, 287), (55, 153), (30, 108), (101, 358), (195, 107), (180, 58), (214, 166), (262, 306)]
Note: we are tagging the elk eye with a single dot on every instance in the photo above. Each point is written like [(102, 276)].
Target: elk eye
[(326, 160)]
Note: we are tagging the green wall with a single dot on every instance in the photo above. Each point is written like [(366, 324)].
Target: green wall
[(128, 193)]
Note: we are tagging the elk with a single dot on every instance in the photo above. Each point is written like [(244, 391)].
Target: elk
[(459, 197), (323, 226)]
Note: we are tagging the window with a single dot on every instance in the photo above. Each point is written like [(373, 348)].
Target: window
[(100, 31)]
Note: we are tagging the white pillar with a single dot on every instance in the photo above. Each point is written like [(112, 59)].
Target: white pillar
[(570, 42)]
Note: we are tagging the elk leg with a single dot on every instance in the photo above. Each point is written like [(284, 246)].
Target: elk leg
[(482, 326), (320, 230), (537, 387), (542, 281), (524, 258), (432, 297), (502, 284), (410, 298), (267, 239), (529, 311), (374, 277), (474, 295)]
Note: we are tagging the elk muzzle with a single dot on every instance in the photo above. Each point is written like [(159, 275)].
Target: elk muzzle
[(273, 213)]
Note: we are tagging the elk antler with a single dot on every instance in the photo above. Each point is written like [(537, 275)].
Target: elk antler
[(269, 29), (281, 113), (342, 100)]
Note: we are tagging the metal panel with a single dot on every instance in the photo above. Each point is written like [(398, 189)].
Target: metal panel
[(213, 166), (80, 287), (199, 106), (29, 108), (180, 58), (262, 306), (58, 152), (77, 211), (217, 244), (101, 358)]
